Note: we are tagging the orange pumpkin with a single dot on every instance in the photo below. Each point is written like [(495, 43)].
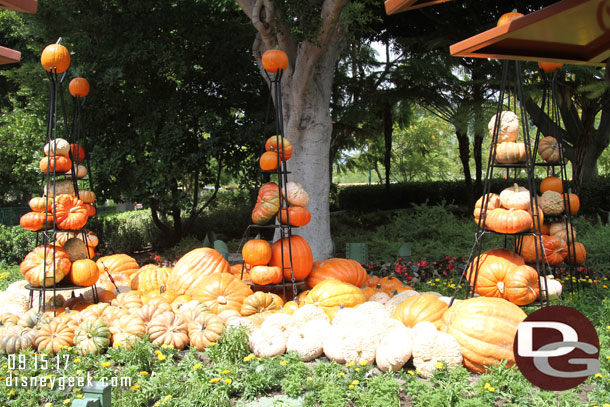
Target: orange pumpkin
[(263, 275), (346, 270), (420, 307), (259, 302), (572, 202), (302, 257), (274, 60), (84, 273), (41, 204), (577, 254), (90, 210), (294, 215), (55, 58), (256, 252), (78, 153), (329, 294), (279, 144), (485, 329), (192, 268), (45, 265), (55, 163), (492, 267), (521, 285), (36, 221), (493, 202), (79, 87), (548, 149), (508, 17), (118, 264), (510, 152), (70, 212), (554, 249), (267, 203), (390, 283), (551, 183), (268, 161), (221, 291), (508, 221), (149, 278), (549, 66)]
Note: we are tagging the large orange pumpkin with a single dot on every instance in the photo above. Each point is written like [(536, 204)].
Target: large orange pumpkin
[(267, 203), (521, 285), (193, 267), (220, 292), (508, 220), (118, 264), (485, 328), (70, 212), (548, 149), (333, 293), (45, 264), (346, 270), (555, 250), (493, 266), (256, 252), (149, 278), (421, 307), (577, 254), (302, 257), (274, 60), (36, 221)]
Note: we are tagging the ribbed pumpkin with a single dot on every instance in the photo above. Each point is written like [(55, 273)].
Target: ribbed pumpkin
[(332, 293), (555, 249), (577, 254), (280, 144), (259, 302), (41, 204), (118, 264), (16, 338), (563, 230), (493, 266), (263, 275), (78, 153), (57, 163), (36, 221), (515, 197), (168, 329), (551, 183), (204, 329), (126, 330), (548, 149), (521, 286), (59, 146), (92, 336), (70, 212), (86, 196), (256, 252), (54, 335), (508, 220), (421, 307), (294, 215), (221, 291), (267, 203), (346, 270), (493, 202), (302, 257), (56, 260), (485, 328), (149, 278), (193, 267), (510, 152), (84, 273)]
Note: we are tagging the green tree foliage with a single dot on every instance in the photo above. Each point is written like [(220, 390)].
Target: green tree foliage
[(175, 99)]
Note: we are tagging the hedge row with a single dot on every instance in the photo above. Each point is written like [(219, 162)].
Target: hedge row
[(594, 195)]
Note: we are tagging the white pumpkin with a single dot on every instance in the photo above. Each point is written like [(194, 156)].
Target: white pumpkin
[(515, 197), (266, 342), (554, 288), (295, 194), (509, 126), (395, 349), (59, 146), (81, 171)]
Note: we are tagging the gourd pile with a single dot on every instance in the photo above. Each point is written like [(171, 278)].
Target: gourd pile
[(192, 303)]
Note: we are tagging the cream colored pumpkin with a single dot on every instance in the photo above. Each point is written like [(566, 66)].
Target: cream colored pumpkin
[(508, 129), (395, 349), (515, 197), (295, 194), (59, 146), (266, 342), (554, 288)]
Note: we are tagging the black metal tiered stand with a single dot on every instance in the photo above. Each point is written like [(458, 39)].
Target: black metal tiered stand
[(510, 98), (48, 236), (285, 230)]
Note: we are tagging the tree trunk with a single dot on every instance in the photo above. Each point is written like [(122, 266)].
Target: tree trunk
[(306, 89), (464, 147)]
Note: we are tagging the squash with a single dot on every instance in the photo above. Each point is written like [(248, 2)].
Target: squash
[(510, 153), (55, 164), (294, 216), (259, 302), (126, 330), (563, 230), (168, 329), (554, 249), (295, 194), (92, 336), (431, 347), (263, 275), (551, 183), (192, 268), (55, 58), (35, 221), (571, 202), (205, 329), (149, 278), (79, 87), (117, 264), (84, 273), (267, 342), (128, 301), (395, 349), (279, 144), (521, 285), (551, 203), (268, 161), (332, 293), (548, 149), (306, 341), (346, 270), (59, 146), (280, 321), (493, 202), (553, 287), (576, 255), (485, 329), (16, 338), (267, 203), (274, 61), (515, 197), (493, 266)]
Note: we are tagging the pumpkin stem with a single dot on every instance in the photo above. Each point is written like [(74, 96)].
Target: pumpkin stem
[(514, 11), (500, 286)]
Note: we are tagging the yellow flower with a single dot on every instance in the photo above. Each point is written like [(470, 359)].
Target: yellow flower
[(350, 364), (605, 286), (351, 386), (134, 388), (411, 372), (212, 344), (438, 365), (11, 393), (80, 396), (157, 404), (228, 381), (157, 351), (363, 362), (225, 372), (491, 389), (341, 374), (161, 356), (259, 359), (67, 401), (598, 375), (143, 373), (606, 405), (283, 363), (106, 364), (75, 390), (168, 397), (4, 366), (356, 382), (48, 405), (487, 385), (357, 369), (197, 366), (418, 371), (164, 346), (77, 360), (309, 378), (249, 357), (215, 380)]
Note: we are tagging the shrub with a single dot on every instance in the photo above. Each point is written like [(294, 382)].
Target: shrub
[(15, 243)]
